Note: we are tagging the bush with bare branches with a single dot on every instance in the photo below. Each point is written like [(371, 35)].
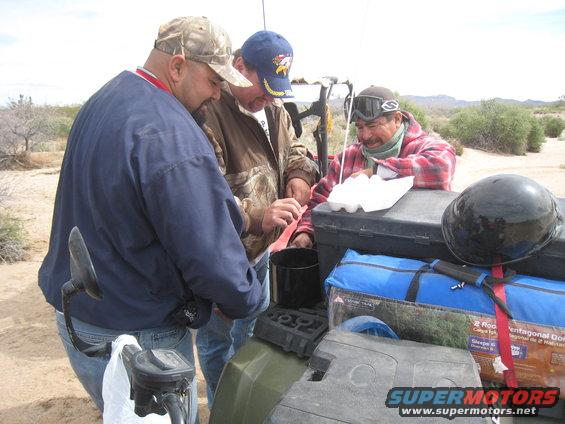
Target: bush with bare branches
[(22, 124), (12, 240)]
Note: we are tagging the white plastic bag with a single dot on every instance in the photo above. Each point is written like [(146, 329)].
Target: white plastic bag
[(118, 407), (371, 194), (383, 194)]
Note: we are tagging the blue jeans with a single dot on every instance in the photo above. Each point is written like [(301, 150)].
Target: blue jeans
[(90, 371), (218, 340)]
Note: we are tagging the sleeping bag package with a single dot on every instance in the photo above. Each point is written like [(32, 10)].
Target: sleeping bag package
[(417, 302)]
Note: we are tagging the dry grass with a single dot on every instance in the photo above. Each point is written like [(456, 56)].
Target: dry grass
[(12, 239), (47, 159), (31, 160), (12, 234), (57, 145)]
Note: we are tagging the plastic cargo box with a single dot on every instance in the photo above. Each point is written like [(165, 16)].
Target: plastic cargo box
[(411, 228), (349, 376), (439, 313)]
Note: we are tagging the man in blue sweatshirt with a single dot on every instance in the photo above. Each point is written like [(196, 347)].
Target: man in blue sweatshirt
[(142, 183)]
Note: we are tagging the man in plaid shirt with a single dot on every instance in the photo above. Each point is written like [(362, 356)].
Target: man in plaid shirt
[(391, 144)]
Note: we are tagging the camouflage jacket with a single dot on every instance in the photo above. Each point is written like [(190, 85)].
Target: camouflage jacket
[(256, 168)]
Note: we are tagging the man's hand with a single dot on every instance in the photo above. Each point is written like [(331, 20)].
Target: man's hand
[(302, 240), (298, 189), (280, 214), (221, 315), (368, 172)]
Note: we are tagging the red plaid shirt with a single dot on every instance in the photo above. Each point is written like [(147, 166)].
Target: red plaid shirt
[(430, 160)]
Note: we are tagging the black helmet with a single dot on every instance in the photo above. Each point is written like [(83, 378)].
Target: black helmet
[(501, 219)]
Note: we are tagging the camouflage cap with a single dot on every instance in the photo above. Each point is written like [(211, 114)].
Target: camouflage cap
[(197, 38)]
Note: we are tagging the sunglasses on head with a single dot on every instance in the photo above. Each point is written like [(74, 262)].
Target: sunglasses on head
[(369, 108)]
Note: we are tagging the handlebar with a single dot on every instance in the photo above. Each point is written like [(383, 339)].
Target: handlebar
[(173, 404), (160, 379)]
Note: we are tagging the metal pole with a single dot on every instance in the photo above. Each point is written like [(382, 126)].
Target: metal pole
[(323, 131), (264, 22)]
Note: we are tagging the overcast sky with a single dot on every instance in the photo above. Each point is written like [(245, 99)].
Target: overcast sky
[(61, 51)]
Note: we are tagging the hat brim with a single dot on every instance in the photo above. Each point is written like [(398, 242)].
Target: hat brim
[(278, 87), (231, 75)]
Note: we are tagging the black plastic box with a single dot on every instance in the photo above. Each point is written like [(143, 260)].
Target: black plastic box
[(297, 331), (411, 228), (349, 376)]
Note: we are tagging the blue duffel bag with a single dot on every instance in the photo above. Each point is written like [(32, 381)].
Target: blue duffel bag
[(530, 299), (410, 299)]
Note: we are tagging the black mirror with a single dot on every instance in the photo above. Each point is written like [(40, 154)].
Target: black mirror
[(82, 270), (292, 110), (83, 278)]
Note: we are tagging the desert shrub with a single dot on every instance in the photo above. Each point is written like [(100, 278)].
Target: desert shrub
[(536, 136), (437, 122), (553, 126), (57, 145), (18, 161), (64, 118), (63, 126), (12, 240), (26, 127), (68, 111), (457, 145), (335, 138), (415, 110), (23, 124), (494, 127), (447, 132), (552, 108)]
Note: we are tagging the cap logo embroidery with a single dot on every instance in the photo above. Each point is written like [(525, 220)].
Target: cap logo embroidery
[(390, 105), (283, 63), (272, 92)]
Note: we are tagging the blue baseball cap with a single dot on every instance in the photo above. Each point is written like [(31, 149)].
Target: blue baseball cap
[(271, 55)]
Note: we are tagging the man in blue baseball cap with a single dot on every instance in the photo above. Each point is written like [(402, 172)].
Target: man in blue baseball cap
[(266, 169), (271, 55)]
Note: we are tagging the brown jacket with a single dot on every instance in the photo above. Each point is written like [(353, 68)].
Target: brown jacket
[(256, 168)]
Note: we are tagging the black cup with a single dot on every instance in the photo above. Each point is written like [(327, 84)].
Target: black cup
[(295, 278)]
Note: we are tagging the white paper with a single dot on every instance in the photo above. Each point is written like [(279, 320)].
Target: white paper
[(498, 365)]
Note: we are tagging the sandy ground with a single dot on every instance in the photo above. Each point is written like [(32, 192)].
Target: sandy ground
[(37, 382)]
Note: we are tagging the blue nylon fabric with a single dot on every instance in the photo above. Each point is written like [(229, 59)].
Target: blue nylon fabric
[(368, 325), (526, 304), (481, 279)]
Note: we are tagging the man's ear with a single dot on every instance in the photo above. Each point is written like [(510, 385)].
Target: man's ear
[(397, 117), (239, 64), (177, 67)]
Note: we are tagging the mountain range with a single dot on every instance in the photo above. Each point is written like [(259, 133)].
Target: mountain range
[(434, 102), (448, 102)]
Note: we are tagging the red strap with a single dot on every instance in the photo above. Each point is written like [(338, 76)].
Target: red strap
[(152, 79), (504, 344), (282, 241)]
